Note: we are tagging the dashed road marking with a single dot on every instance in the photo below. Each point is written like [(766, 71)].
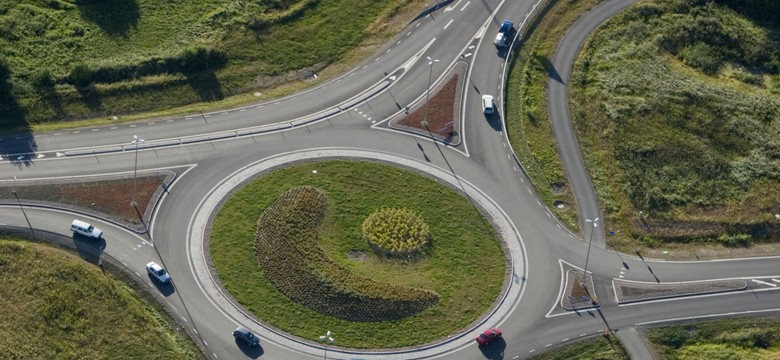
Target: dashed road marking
[(448, 24), (464, 6), (170, 121)]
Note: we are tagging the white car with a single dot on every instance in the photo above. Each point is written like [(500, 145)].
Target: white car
[(487, 105), (158, 272)]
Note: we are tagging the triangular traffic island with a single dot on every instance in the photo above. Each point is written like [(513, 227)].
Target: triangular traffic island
[(441, 119)]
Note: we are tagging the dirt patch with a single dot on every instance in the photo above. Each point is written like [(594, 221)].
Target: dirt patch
[(357, 255), (107, 197), (578, 292), (438, 118), (632, 292)]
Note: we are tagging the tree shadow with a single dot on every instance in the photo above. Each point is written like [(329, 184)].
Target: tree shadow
[(90, 96), (20, 147), (115, 17), (206, 85)]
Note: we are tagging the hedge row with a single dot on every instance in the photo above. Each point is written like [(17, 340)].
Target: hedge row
[(287, 251)]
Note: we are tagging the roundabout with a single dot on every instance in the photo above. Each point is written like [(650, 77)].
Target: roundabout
[(200, 262), (538, 307)]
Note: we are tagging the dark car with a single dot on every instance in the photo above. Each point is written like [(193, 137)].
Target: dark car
[(488, 336), (506, 27), (244, 335)]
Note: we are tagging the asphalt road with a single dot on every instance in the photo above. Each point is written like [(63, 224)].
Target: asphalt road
[(344, 117)]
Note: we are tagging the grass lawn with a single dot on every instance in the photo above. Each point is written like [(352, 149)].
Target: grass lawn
[(678, 116), (528, 124), (66, 60), (744, 338), (56, 306), (597, 348), (464, 262)]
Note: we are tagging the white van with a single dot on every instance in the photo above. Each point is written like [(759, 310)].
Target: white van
[(80, 227)]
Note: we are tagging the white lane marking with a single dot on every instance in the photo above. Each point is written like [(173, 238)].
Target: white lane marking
[(388, 51), (170, 121), (538, 203), (75, 132), (583, 334), (450, 8), (151, 123), (409, 33), (58, 134), (242, 110), (565, 340), (398, 43), (112, 128), (776, 280), (95, 129), (532, 350), (464, 6), (448, 24), (763, 282), (559, 226), (134, 125), (377, 59), (548, 345), (522, 180), (529, 190)]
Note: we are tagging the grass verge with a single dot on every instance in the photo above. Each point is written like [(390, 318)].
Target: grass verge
[(743, 338), (464, 262), (528, 123), (99, 59), (54, 305), (597, 348), (666, 128)]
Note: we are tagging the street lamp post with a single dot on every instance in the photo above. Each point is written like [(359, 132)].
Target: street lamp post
[(32, 232), (587, 256), (327, 339), (135, 141), (428, 92)]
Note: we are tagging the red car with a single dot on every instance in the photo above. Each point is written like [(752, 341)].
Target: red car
[(488, 336)]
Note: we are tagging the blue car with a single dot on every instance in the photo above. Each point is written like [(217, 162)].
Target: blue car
[(506, 27)]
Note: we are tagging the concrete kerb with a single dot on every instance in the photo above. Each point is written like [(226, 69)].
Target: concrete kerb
[(199, 264)]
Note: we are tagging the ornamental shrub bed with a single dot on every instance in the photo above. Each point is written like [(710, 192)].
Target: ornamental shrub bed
[(286, 248)]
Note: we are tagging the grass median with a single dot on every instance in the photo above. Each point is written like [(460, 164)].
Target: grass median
[(464, 262)]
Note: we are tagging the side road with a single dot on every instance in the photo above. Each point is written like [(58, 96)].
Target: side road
[(558, 109)]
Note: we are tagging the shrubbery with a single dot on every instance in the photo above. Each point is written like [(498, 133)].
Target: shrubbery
[(287, 251), (395, 232)]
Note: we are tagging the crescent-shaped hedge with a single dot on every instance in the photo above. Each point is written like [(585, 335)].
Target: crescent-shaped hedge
[(287, 251)]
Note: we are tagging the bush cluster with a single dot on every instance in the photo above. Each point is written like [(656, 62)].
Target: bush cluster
[(287, 251), (284, 12), (395, 232)]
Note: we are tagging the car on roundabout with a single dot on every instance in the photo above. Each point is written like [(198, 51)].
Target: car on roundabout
[(157, 272), (243, 334), (488, 336)]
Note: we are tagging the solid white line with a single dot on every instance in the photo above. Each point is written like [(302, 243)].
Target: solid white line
[(707, 316), (448, 24)]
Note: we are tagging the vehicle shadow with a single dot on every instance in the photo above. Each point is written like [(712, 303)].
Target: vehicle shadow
[(494, 121), (495, 350), (165, 289), (253, 352), (88, 248)]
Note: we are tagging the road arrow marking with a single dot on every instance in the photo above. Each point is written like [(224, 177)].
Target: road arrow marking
[(59, 154), (40, 156)]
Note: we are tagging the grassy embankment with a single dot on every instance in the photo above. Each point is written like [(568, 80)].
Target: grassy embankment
[(754, 339), (597, 348), (677, 107), (528, 124), (64, 60), (463, 264), (56, 306)]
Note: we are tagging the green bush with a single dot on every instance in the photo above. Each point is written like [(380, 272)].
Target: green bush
[(749, 78), (395, 232), (703, 57)]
